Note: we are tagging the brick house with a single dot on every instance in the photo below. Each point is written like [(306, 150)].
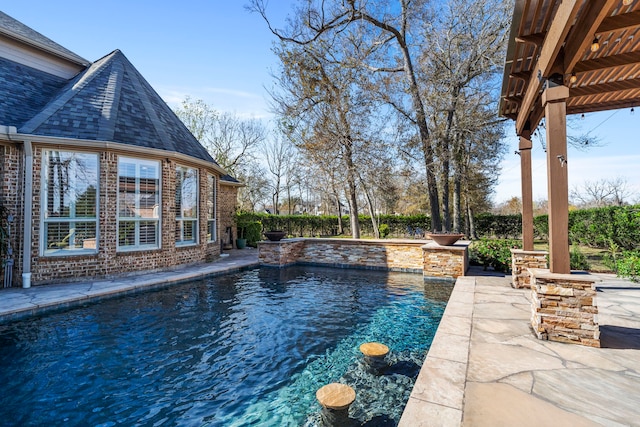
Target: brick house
[(98, 173)]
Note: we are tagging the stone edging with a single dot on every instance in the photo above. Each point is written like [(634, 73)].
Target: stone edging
[(437, 397)]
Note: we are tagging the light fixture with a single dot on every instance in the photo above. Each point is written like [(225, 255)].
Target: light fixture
[(627, 2), (595, 45), (582, 116), (573, 78)]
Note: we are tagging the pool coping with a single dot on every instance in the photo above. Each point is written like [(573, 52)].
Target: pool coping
[(437, 397), (19, 303)]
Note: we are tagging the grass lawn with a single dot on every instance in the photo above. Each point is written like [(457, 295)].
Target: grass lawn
[(595, 256)]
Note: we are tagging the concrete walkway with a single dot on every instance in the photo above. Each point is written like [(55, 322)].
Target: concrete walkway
[(487, 368), (17, 302)]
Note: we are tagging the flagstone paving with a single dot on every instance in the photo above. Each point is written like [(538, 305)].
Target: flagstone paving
[(514, 379)]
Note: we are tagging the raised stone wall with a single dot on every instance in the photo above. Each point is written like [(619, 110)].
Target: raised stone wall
[(446, 261), (280, 254), (521, 262), (564, 307), (395, 255)]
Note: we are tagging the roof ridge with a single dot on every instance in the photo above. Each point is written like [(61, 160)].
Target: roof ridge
[(108, 118)]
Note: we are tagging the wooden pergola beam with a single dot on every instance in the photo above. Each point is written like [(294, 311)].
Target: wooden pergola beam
[(584, 31), (608, 62), (603, 88), (625, 21), (560, 26)]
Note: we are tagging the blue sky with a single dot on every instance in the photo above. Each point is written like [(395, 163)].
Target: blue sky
[(216, 51)]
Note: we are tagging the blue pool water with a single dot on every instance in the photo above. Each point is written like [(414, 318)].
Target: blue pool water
[(242, 349)]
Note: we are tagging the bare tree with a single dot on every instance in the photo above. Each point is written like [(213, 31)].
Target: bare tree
[(278, 156), (604, 192), (231, 140)]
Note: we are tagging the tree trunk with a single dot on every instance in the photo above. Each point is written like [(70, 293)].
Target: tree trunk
[(470, 221), (340, 226), (352, 195), (372, 212), (457, 214)]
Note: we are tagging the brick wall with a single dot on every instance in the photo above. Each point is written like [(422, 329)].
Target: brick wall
[(107, 261), (227, 204)]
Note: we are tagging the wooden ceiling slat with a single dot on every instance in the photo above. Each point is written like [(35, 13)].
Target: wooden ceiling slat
[(625, 21), (614, 61), (605, 88), (535, 39)]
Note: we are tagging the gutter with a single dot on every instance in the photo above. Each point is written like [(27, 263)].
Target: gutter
[(28, 214)]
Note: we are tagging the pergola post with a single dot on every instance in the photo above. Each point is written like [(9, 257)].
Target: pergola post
[(555, 110), (527, 191)]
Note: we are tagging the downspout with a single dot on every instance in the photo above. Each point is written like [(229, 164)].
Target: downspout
[(28, 214)]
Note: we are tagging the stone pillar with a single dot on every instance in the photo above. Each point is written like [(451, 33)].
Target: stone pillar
[(527, 191), (564, 307), (446, 261), (521, 262), (554, 102)]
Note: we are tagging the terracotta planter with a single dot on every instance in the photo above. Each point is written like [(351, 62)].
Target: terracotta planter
[(445, 239), (275, 235)]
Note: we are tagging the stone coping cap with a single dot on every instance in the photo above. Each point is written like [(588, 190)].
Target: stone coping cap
[(575, 276), (374, 349), (535, 252), (336, 396), (347, 241), (460, 245)]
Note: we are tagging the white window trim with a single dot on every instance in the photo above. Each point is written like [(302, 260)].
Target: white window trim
[(44, 249), (196, 219), (158, 220)]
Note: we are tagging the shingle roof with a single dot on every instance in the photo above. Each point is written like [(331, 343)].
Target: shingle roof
[(24, 91), (17, 30), (111, 101)]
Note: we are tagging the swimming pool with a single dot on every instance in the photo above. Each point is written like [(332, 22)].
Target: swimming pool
[(249, 348)]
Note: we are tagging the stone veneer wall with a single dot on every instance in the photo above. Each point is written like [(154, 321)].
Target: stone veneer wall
[(521, 262), (396, 255), (564, 307), (446, 261), (107, 260)]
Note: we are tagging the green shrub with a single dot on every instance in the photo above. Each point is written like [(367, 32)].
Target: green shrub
[(253, 233), (578, 260), (626, 264), (493, 253), (384, 230)]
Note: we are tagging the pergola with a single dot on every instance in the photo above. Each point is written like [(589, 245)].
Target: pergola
[(566, 57)]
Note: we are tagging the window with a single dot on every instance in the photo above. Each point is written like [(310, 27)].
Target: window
[(186, 205), (69, 198), (211, 209), (138, 204)]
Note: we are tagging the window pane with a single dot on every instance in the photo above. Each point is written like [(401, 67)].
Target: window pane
[(70, 235), (189, 231), (70, 184), (126, 233), (148, 232)]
